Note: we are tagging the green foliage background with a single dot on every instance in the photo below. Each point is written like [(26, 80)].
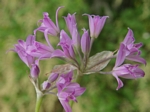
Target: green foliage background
[(18, 19)]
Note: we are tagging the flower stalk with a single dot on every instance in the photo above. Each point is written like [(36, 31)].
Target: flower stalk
[(75, 51), (38, 102)]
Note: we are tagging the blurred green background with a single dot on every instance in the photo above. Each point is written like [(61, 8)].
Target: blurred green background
[(18, 19)]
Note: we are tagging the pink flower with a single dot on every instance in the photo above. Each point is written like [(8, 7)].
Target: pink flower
[(68, 90), (127, 71), (48, 26), (66, 44), (72, 27), (39, 50), (29, 58), (129, 50), (96, 24), (70, 22), (20, 49)]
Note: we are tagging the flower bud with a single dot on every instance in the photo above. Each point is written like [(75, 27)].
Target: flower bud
[(46, 85), (85, 42), (53, 77), (34, 71)]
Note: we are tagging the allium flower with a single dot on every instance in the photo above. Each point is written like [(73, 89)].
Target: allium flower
[(85, 42), (68, 90), (61, 78), (96, 24), (20, 48), (48, 26), (66, 44), (129, 50), (30, 49), (127, 71), (39, 50), (70, 22)]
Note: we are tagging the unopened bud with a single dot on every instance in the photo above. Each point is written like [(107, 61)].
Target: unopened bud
[(34, 71), (46, 85), (53, 77)]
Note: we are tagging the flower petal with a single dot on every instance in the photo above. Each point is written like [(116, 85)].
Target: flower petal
[(120, 55), (136, 58), (120, 83), (66, 106), (85, 42)]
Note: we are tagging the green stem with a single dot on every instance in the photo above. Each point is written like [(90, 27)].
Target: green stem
[(38, 102)]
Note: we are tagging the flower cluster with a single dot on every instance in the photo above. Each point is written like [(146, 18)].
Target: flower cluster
[(130, 51), (75, 51)]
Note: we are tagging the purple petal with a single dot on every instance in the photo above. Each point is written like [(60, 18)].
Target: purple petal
[(136, 58), (96, 24), (120, 83), (76, 37), (41, 28), (34, 71), (53, 77), (30, 40), (134, 72), (22, 56), (45, 56), (138, 45), (129, 39), (21, 43), (85, 42), (121, 70), (63, 96), (75, 89), (58, 53), (91, 25), (73, 85), (70, 21), (68, 77), (46, 85), (27, 59), (128, 71), (71, 52), (57, 17), (99, 24), (139, 73), (64, 39), (60, 85), (38, 50), (120, 55), (47, 40), (79, 91), (72, 97), (66, 106), (48, 22)]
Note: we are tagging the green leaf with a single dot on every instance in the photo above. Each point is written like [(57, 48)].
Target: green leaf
[(98, 62), (62, 69)]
